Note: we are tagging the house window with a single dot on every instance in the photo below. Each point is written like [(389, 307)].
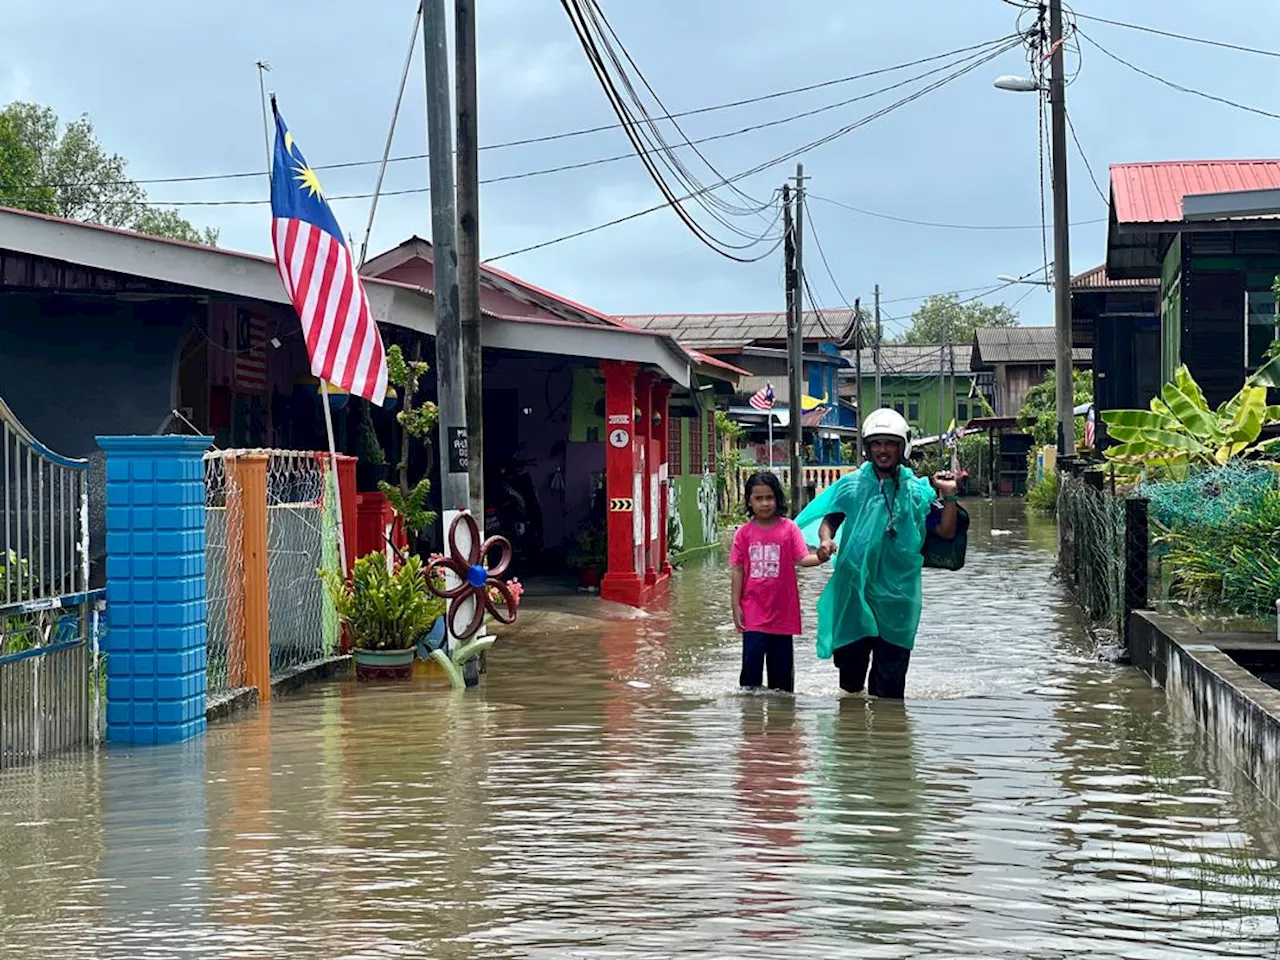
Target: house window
[(711, 443), (901, 407), (962, 411), (1260, 327), (695, 448), (675, 447), (913, 411)]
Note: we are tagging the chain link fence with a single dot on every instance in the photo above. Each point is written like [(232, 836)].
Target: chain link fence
[(1104, 554), (223, 551), (302, 538)]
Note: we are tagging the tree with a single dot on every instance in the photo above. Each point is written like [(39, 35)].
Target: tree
[(48, 168), (1041, 403), (942, 318)]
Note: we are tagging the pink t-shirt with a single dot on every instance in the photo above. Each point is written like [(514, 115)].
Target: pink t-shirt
[(768, 556)]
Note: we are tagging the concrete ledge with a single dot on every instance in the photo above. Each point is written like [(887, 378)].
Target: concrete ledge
[(317, 671), (1237, 709), (230, 702)]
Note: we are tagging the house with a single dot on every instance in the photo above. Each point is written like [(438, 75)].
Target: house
[(1215, 272), (1119, 320), (757, 343), (1018, 358), (929, 384), (105, 332)]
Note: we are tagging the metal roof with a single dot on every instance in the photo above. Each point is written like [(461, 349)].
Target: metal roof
[(1097, 279), (1030, 345), (912, 360), (710, 330), (1153, 192)]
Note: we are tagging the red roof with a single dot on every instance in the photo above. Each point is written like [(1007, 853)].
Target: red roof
[(1097, 279), (1153, 192)]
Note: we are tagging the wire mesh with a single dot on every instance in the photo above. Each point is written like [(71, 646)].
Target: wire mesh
[(1092, 559), (301, 539), (224, 530)]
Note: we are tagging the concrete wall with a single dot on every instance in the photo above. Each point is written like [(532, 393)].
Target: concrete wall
[(691, 502), (1237, 709)]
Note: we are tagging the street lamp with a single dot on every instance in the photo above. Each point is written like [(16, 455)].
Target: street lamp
[(1046, 282), (1065, 399)]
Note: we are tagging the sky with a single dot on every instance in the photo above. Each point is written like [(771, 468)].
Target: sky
[(174, 88)]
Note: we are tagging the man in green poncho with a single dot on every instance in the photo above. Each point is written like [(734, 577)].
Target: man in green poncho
[(874, 522)]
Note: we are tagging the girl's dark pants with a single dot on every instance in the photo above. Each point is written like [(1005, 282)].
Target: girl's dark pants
[(888, 663), (774, 649)]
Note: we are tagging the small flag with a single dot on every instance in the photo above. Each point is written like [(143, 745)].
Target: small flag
[(1090, 428), (320, 276), (762, 399), (250, 367)]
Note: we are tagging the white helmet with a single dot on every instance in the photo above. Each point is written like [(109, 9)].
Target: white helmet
[(887, 424)]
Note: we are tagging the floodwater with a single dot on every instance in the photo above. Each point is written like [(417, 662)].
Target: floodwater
[(608, 792)]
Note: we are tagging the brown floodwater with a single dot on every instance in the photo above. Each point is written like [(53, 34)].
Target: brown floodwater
[(608, 792)]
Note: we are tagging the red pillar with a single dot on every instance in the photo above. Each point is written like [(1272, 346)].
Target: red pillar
[(661, 408), (648, 476), (623, 581)]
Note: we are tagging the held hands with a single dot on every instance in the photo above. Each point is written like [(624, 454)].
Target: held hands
[(826, 550), (945, 483)]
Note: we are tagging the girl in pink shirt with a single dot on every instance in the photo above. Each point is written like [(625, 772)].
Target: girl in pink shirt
[(766, 597)]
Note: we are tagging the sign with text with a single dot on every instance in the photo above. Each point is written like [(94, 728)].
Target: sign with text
[(459, 445)]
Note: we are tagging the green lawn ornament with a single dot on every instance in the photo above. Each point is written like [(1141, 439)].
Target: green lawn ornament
[(472, 590)]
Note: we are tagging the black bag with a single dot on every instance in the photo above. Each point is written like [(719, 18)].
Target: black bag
[(943, 554)]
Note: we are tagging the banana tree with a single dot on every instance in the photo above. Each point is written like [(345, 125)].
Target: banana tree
[(1181, 431)]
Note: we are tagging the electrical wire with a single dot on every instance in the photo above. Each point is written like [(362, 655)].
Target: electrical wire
[(791, 155), (940, 225), (1087, 165), (1180, 36), (1177, 86), (822, 255)]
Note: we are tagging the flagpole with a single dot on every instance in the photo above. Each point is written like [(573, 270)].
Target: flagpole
[(333, 466), (771, 438)]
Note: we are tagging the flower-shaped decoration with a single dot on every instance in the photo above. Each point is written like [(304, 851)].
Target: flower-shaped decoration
[(473, 581)]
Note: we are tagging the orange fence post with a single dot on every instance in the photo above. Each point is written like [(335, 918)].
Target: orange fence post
[(236, 672), (251, 474)]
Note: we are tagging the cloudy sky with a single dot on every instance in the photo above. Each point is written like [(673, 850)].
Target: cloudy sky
[(173, 87)]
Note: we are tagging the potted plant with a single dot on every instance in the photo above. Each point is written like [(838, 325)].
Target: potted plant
[(371, 467), (417, 421), (589, 557), (385, 612)]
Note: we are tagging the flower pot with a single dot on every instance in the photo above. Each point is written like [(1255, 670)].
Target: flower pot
[(384, 664)]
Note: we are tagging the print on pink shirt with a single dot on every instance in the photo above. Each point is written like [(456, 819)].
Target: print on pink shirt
[(766, 561)]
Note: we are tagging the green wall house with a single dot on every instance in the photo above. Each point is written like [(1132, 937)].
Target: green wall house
[(930, 385), (1218, 312)]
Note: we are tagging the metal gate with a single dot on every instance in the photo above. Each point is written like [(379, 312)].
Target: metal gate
[(50, 688)]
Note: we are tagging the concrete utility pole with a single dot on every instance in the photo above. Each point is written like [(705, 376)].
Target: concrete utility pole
[(455, 493), (469, 243), (859, 341), (1061, 237), (793, 374), (796, 351), (879, 336), (942, 390)]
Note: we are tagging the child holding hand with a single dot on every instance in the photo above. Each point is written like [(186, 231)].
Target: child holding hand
[(765, 593)]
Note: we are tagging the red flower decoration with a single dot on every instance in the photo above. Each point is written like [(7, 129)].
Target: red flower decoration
[(475, 581)]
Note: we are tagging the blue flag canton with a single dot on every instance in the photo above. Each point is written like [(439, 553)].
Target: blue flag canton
[(296, 193)]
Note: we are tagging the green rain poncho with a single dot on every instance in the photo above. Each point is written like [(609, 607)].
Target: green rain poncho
[(874, 590)]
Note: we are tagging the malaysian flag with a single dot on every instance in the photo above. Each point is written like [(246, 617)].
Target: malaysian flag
[(320, 276), (762, 399), (1090, 428), (250, 368)]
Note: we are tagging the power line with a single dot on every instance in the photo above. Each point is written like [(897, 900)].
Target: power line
[(1177, 86), (790, 155), (1178, 36), (585, 131), (1083, 156), (944, 226)]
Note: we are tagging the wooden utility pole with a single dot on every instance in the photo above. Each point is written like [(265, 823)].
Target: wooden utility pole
[(793, 375), (879, 337), (455, 493), (795, 350), (1061, 237), (469, 244), (942, 390)]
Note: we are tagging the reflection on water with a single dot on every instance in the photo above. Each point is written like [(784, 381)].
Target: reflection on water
[(608, 792)]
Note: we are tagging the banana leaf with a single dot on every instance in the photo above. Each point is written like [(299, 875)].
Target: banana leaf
[(1198, 422), (1187, 384), (1247, 421), (1268, 374), (1133, 418)]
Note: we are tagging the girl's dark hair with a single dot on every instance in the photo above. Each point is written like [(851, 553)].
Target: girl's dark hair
[(766, 479)]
